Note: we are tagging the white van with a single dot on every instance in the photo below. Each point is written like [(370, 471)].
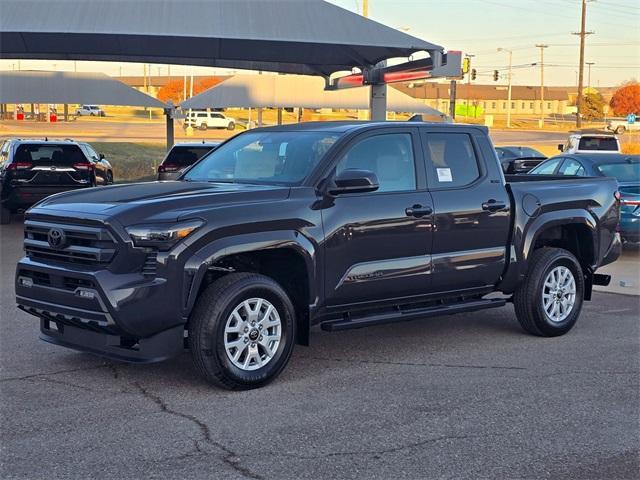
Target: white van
[(204, 119)]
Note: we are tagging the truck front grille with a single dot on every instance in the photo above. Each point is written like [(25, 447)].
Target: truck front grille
[(66, 243)]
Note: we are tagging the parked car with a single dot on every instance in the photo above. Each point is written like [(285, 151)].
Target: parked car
[(621, 126), (31, 170), (90, 110), (519, 159), (624, 168), (103, 169), (344, 224), (181, 156), (208, 119), (591, 143)]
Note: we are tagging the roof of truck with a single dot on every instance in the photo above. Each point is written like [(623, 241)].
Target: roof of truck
[(347, 126)]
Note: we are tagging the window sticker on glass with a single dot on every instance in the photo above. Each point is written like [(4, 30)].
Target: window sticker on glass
[(444, 175)]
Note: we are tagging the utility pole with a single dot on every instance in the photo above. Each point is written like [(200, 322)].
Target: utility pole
[(468, 95), (583, 34), (509, 87), (589, 74), (542, 47)]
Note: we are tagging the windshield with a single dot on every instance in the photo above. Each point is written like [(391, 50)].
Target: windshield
[(283, 158), (49, 154), (518, 152), (185, 156), (623, 172), (607, 144)]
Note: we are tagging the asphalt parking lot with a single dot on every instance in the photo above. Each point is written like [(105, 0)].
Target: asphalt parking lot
[(466, 396)]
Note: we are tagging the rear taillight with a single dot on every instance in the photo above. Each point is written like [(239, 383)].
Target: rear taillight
[(19, 166), (84, 166), (167, 167), (628, 202)]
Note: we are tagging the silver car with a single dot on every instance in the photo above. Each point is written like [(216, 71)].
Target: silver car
[(181, 156)]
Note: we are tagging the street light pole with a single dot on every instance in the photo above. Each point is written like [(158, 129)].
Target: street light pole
[(542, 47), (589, 74), (509, 87)]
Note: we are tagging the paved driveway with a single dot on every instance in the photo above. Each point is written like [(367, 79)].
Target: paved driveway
[(466, 396)]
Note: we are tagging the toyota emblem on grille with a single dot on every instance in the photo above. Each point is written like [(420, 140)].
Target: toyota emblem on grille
[(56, 238)]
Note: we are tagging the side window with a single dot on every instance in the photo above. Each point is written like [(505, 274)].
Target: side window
[(451, 160), (389, 156), (92, 153), (571, 167), (547, 168)]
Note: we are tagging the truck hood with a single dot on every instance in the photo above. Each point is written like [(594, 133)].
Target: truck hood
[(155, 201)]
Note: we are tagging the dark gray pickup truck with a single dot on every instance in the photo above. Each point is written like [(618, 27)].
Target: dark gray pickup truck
[(339, 224)]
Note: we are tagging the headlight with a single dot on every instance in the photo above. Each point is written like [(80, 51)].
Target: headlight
[(162, 237)]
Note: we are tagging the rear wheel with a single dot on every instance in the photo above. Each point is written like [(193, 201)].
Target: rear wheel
[(203, 126), (241, 333), (620, 130), (5, 216), (549, 300)]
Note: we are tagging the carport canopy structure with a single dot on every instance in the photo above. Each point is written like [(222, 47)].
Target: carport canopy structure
[(69, 87), (282, 91)]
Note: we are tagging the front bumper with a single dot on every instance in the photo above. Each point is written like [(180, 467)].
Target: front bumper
[(126, 316)]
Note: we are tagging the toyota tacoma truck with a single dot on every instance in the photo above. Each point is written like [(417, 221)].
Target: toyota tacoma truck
[(341, 225)]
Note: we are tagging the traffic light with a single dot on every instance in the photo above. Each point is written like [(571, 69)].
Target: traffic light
[(473, 73), (466, 62), (496, 75)]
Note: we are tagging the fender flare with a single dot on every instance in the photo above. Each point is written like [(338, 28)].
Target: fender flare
[(196, 267), (524, 241)]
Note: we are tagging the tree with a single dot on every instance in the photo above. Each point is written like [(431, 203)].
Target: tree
[(593, 107), (626, 99), (174, 90)]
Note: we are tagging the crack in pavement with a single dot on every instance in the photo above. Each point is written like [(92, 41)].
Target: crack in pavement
[(377, 453), (58, 372), (231, 458), (416, 364)]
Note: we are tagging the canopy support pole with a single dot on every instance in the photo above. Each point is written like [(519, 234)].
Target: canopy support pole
[(378, 103), (170, 129)]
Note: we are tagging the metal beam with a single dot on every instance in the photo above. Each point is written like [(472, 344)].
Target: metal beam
[(378, 103)]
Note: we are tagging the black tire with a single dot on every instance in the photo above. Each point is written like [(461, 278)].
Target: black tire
[(528, 297), (207, 330), (203, 126), (620, 130), (5, 216), (231, 126), (109, 180)]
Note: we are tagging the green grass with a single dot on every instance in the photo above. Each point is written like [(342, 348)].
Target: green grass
[(132, 161)]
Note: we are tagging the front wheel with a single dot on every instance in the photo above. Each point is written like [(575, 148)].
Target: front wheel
[(620, 130), (109, 180), (231, 126), (203, 126), (241, 333), (549, 300)]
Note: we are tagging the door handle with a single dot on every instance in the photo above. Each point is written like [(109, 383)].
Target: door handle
[(418, 211), (493, 205)]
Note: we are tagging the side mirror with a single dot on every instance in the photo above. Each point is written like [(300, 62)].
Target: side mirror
[(561, 147), (353, 180), (101, 156)]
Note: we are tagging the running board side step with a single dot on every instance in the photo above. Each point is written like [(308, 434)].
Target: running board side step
[(400, 316)]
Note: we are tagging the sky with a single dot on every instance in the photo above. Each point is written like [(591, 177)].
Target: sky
[(479, 27)]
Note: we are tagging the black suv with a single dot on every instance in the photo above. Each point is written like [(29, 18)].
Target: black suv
[(31, 170), (182, 156)]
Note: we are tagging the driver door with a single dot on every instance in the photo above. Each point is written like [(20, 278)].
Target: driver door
[(378, 244)]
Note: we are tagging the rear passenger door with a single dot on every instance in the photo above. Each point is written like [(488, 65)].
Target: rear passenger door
[(471, 205)]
